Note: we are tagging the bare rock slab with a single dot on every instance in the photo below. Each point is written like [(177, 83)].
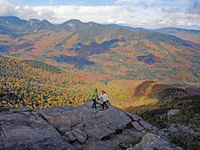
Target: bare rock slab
[(28, 130), (173, 112), (137, 126), (151, 142)]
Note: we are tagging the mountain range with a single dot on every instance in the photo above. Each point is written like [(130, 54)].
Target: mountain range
[(166, 55), (151, 73)]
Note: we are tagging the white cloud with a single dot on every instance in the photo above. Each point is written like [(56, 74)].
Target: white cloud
[(116, 21), (135, 1), (100, 14), (24, 12), (7, 9), (121, 1), (152, 17), (182, 23), (131, 15), (171, 9)]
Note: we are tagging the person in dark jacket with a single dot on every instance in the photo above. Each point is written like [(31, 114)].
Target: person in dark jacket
[(94, 97)]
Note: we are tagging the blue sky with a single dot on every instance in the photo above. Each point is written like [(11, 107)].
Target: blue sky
[(134, 13)]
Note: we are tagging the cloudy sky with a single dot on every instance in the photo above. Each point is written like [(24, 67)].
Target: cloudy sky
[(135, 13)]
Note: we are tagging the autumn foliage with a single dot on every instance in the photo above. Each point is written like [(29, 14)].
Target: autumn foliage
[(38, 85)]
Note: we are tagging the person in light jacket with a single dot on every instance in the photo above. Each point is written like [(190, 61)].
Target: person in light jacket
[(104, 98)]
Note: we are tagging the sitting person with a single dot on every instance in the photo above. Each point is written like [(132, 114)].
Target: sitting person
[(104, 98)]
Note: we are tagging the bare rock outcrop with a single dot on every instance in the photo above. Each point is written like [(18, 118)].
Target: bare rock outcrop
[(173, 112), (28, 130), (153, 142), (70, 128)]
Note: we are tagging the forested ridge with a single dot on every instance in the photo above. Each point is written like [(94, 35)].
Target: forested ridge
[(35, 84), (22, 85)]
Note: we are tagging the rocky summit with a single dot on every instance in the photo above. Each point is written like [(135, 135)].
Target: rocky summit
[(73, 128)]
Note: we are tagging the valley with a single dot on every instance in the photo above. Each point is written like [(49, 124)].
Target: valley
[(144, 72), (103, 49), (33, 84)]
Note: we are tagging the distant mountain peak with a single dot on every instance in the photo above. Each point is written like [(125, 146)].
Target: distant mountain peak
[(35, 25), (12, 21), (74, 21), (31, 22), (76, 25)]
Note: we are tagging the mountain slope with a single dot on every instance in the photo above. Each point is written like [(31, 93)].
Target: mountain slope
[(108, 50), (34, 25), (33, 84), (10, 25), (12, 22), (38, 87), (189, 35)]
